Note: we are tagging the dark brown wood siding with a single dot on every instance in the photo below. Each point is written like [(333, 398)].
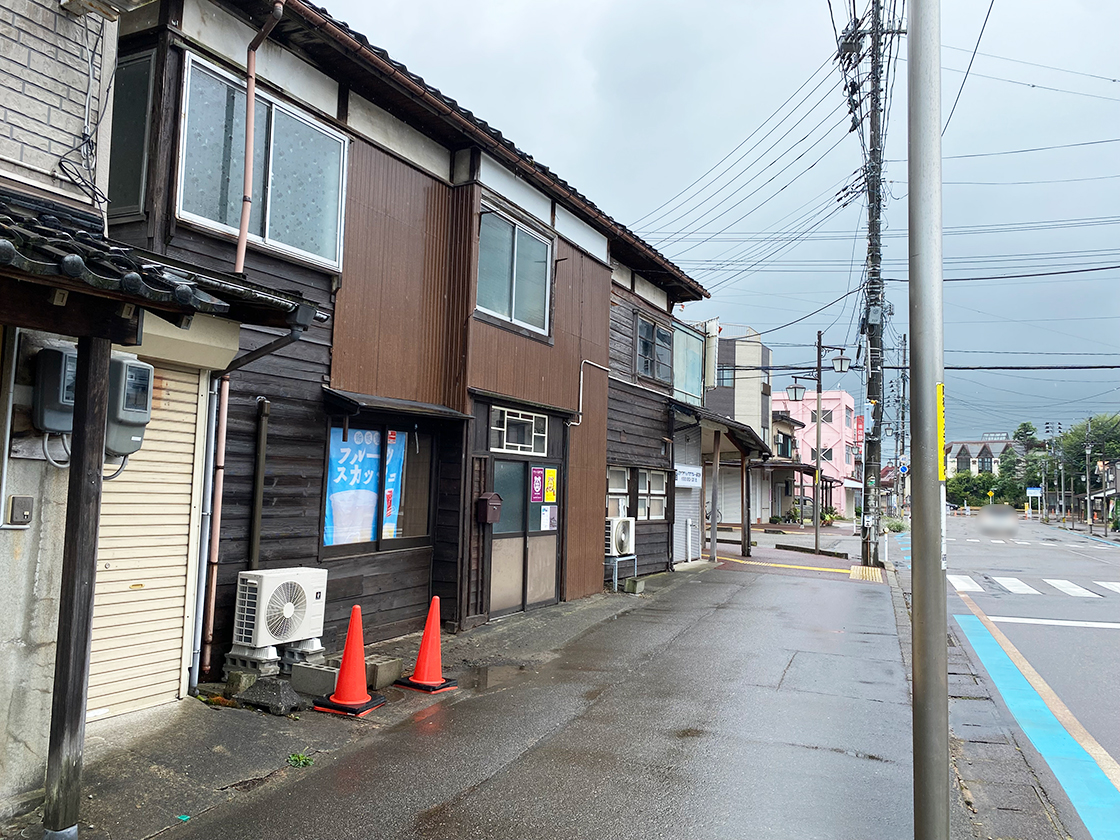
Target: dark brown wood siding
[(625, 308), (638, 432), (651, 544), (504, 362), (392, 336), (391, 587)]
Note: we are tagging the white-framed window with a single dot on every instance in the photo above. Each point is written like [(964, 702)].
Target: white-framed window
[(847, 417), (653, 491), (826, 454), (826, 415), (513, 272), (518, 431), (847, 453), (655, 351), (618, 491), (299, 168)]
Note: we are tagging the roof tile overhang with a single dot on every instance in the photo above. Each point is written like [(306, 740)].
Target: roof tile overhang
[(744, 437), (66, 251), (371, 73)]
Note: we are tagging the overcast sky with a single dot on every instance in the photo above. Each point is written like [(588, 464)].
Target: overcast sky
[(633, 102)]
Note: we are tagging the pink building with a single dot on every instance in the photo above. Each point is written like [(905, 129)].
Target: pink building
[(841, 460)]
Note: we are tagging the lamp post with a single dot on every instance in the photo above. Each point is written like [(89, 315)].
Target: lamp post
[(796, 393)]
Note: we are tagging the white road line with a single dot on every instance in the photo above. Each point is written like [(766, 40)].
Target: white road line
[(963, 583), (1071, 588), (973, 539), (1108, 584), (1074, 545), (998, 542), (1021, 542), (951, 539), (1056, 622), (1016, 586)]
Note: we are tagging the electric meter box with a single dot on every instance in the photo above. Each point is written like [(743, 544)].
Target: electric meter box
[(130, 405), (52, 408)]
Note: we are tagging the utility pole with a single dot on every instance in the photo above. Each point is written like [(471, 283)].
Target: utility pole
[(873, 459), (930, 651), (902, 426), (817, 479), (1088, 497)]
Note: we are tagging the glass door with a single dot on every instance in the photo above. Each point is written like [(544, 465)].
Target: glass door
[(525, 545)]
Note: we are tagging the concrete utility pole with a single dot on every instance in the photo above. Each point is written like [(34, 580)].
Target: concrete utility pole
[(1088, 497), (873, 437), (927, 332), (902, 427)]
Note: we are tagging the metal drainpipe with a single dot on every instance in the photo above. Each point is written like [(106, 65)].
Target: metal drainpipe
[(215, 523), (250, 113), (204, 548), (263, 409)]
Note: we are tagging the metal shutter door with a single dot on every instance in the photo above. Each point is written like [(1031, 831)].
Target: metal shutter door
[(146, 556)]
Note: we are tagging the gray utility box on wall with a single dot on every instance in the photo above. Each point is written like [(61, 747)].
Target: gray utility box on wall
[(130, 405)]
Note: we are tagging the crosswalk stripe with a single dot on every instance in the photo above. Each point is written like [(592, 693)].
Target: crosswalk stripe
[(1070, 588), (1108, 584), (1016, 586), (963, 583)]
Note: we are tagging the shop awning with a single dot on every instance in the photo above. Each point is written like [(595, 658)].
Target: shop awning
[(350, 403)]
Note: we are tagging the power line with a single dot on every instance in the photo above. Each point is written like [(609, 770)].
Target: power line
[(1033, 64), (814, 312), (1015, 276), (1021, 151), (1032, 85), (953, 110), (1021, 367)]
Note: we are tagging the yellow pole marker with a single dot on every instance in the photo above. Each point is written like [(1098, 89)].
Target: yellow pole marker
[(1072, 725), (941, 431), (784, 565)]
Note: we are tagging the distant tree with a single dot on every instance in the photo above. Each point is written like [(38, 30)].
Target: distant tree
[(1105, 444), (1027, 435)]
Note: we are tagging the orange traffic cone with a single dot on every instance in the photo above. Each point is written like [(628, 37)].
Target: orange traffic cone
[(350, 696), (428, 675)]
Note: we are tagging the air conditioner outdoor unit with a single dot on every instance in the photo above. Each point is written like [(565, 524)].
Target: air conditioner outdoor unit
[(619, 536), (277, 606)]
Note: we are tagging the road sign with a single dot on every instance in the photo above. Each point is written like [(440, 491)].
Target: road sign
[(1034, 492), (903, 469), (991, 493)]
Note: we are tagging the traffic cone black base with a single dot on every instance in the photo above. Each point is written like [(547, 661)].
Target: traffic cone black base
[(325, 704), (408, 682)]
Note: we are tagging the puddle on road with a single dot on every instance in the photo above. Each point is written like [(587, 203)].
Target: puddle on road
[(482, 677)]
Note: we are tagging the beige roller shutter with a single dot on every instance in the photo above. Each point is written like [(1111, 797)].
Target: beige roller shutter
[(147, 551)]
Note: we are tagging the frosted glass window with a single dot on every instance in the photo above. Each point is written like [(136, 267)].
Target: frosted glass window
[(306, 187), (513, 272), (297, 169)]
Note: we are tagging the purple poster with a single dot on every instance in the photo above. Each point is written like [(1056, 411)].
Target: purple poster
[(536, 485)]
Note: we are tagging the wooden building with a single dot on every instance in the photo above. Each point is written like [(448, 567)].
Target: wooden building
[(463, 292), (653, 357)]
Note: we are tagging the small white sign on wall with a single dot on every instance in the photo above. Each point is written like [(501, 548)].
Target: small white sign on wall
[(689, 476)]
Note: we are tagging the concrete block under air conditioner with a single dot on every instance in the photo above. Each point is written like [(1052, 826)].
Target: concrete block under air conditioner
[(381, 670), (635, 586), (317, 680)]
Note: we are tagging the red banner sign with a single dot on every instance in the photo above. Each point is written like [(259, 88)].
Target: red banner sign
[(859, 428)]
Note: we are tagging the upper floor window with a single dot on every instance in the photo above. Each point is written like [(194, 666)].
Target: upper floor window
[(964, 463), (298, 169), (985, 463), (128, 154), (725, 376), (847, 453), (655, 351), (826, 416), (826, 454), (513, 276), (847, 417), (518, 431)]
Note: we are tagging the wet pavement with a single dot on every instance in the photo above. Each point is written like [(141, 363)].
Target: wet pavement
[(735, 703)]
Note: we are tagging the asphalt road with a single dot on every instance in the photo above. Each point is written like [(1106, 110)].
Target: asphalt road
[(1055, 595)]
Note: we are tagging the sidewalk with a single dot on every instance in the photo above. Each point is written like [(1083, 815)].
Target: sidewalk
[(796, 674)]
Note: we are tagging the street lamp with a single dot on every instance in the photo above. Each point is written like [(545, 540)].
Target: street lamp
[(796, 393)]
